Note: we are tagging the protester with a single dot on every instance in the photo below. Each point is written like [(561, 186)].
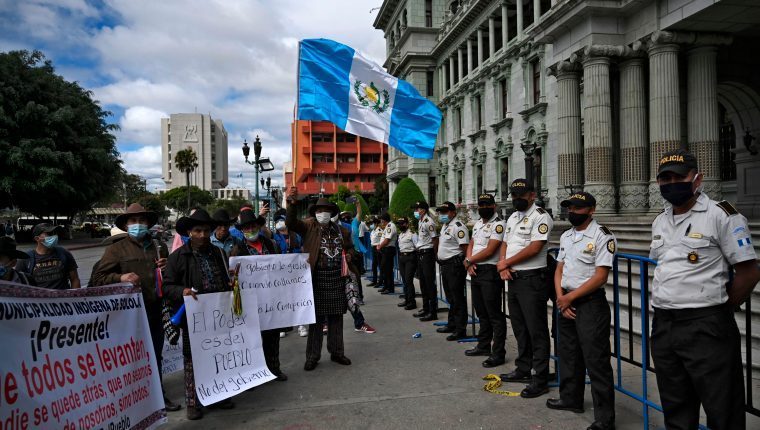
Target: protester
[(135, 260), (49, 265), (288, 243), (221, 236), (9, 256), (325, 243), (407, 263), (387, 248), (195, 268), (355, 226)]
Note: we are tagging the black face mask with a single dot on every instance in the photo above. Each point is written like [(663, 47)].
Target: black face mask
[(520, 205), (577, 219), (677, 193), (403, 227), (485, 213)]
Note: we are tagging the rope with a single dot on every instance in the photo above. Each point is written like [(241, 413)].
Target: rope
[(493, 384)]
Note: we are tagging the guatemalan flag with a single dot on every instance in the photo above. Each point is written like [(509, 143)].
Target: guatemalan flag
[(337, 84)]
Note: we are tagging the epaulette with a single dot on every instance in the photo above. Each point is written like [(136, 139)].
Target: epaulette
[(727, 208), (497, 219), (458, 224), (605, 230), (541, 210)]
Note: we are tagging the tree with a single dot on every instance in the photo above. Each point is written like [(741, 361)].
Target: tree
[(186, 161), (405, 195), (175, 198), (59, 155), (380, 199), (153, 203), (232, 205)]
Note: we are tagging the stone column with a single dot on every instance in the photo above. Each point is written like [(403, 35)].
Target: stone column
[(504, 25), (634, 187), (442, 80), (536, 10), (664, 111), (460, 65), (452, 80), (597, 128), (469, 56), (570, 158), (480, 47), (702, 112), (519, 18), (491, 37)]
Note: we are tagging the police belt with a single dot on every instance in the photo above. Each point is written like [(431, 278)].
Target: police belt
[(404, 254), (690, 313), (457, 259), (424, 251), (522, 274), (598, 294)]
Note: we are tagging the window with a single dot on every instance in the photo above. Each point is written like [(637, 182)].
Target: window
[(213, 127), (478, 113), (346, 137), (458, 123), (504, 178), (213, 137), (460, 185), (370, 158), (428, 13), (504, 97), (321, 137), (323, 158), (479, 179), (429, 83), (170, 138), (170, 173), (169, 128), (527, 13), (535, 67), (169, 148)]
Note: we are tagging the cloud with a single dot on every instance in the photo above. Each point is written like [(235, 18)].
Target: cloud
[(138, 124), (144, 161)]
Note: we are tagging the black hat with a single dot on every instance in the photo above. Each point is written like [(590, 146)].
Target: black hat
[(248, 217), (8, 248), (447, 207), (402, 220), (520, 187), (133, 210), (580, 199), (679, 161), (385, 216), (42, 227), (323, 203), (486, 199), (422, 204), (199, 217), (221, 216)]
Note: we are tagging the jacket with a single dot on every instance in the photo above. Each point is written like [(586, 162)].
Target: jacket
[(127, 256), (310, 232), (182, 271)]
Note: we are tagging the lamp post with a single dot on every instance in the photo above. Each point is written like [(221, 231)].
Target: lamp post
[(267, 185), (321, 179), (255, 164)]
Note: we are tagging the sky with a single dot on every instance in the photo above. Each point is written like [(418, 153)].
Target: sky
[(146, 59)]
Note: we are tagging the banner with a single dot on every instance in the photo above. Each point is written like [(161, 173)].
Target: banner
[(172, 357), (227, 354), (283, 288), (77, 359)]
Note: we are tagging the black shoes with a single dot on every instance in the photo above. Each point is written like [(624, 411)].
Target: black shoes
[(429, 317), (474, 352), (372, 284), (452, 337), (559, 405), (410, 306), (445, 329), (420, 313), (340, 359), (194, 413), (493, 362), (534, 390), (171, 406), (598, 425), (310, 365), (402, 297), (386, 292), (401, 305), (281, 377), (516, 376)]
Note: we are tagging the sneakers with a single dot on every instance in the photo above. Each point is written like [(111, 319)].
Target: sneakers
[(303, 331), (282, 334), (324, 328), (365, 328)]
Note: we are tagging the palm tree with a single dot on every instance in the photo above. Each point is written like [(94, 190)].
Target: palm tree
[(186, 161)]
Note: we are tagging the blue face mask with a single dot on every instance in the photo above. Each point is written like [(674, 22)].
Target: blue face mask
[(137, 231), (3, 271), (416, 215), (50, 241), (443, 218)]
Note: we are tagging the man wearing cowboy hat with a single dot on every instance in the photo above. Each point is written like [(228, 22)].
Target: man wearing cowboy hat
[(8, 258), (135, 259), (221, 236)]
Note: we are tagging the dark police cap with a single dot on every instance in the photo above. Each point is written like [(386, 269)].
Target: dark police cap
[(580, 199), (421, 205), (486, 199), (679, 161), (446, 207), (520, 186)]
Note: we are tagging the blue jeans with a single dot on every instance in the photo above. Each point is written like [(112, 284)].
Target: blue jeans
[(358, 319)]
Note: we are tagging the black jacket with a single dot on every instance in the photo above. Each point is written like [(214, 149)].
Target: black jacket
[(182, 271)]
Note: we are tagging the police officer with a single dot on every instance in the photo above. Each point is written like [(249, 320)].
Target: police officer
[(375, 237), (523, 264), (487, 285), (585, 257), (387, 248), (695, 340), (452, 248), (427, 243), (407, 262)]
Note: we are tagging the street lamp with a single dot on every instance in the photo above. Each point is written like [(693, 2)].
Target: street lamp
[(529, 148), (267, 185), (259, 164)]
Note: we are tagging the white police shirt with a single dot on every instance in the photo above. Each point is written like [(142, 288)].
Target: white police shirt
[(377, 236), (453, 235), (694, 252), (483, 232), (406, 241), (583, 251), (526, 227), (391, 233), (426, 233)]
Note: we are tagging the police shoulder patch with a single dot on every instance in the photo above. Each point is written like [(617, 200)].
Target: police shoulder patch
[(460, 234), (458, 224), (499, 229), (431, 228), (727, 208), (605, 230), (611, 246), (541, 210), (543, 228)]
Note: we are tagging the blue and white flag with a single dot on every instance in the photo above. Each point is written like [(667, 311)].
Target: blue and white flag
[(337, 84)]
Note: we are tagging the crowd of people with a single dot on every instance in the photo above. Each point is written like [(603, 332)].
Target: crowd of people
[(696, 241)]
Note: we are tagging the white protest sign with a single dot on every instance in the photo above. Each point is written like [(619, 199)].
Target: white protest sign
[(172, 359), (283, 288), (77, 359), (227, 354)]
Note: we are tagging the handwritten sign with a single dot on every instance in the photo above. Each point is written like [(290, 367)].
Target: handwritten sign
[(77, 359), (283, 288), (172, 359), (227, 354)]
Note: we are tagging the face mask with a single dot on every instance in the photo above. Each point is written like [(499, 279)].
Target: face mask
[(403, 227), (251, 235), (137, 231), (485, 213), (577, 219), (520, 205), (443, 219), (677, 193), (50, 241), (323, 217), (280, 225), (335, 218), (416, 215), (3, 271)]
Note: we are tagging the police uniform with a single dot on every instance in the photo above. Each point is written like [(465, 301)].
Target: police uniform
[(426, 232), (585, 341), (695, 339), (388, 257), (374, 239), (451, 261), (488, 287), (407, 265), (527, 294)]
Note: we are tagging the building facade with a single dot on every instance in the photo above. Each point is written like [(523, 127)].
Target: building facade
[(583, 94), (325, 157), (232, 193), (207, 137)]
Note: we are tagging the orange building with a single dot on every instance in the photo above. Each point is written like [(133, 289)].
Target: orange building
[(325, 157)]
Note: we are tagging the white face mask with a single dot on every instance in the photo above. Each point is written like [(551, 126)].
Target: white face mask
[(335, 218), (280, 225), (323, 217)]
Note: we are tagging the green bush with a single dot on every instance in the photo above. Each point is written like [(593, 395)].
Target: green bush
[(406, 194)]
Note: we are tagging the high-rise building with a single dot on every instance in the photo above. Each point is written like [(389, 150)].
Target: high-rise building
[(207, 137)]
